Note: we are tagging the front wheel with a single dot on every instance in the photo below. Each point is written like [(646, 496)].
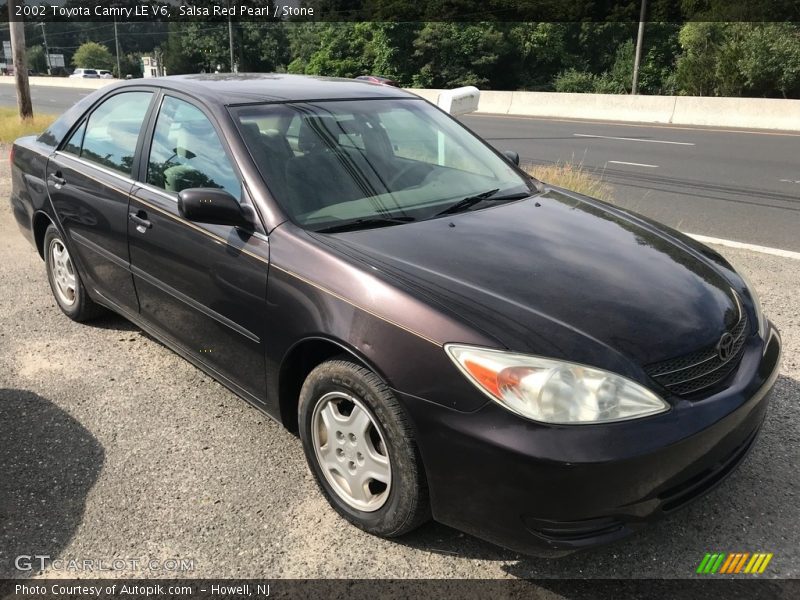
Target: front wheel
[(360, 448)]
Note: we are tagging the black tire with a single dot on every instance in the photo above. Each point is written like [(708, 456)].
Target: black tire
[(407, 506), (82, 308)]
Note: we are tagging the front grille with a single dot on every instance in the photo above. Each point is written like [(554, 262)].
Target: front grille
[(691, 373)]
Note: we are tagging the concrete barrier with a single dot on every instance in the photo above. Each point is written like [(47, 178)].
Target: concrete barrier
[(754, 113), (747, 113), (495, 102), (67, 82), (610, 107)]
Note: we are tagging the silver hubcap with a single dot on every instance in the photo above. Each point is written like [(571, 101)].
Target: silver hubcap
[(63, 273), (351, 451)]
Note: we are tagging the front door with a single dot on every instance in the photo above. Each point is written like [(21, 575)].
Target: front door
[(202, 286)]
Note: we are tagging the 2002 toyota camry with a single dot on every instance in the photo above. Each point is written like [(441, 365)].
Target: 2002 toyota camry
[(449, 337)]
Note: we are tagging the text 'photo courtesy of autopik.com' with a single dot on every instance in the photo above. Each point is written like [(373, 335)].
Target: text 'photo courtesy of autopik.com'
[(397, 299)]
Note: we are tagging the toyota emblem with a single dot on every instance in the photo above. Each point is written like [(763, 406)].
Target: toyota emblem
[(725, 347)]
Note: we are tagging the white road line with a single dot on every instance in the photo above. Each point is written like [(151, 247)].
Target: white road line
[(622, 162), (628, 124), (731, 244), (630, 139)]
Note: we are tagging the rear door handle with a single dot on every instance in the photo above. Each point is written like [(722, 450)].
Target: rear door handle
[(140, 218), (57, 180)]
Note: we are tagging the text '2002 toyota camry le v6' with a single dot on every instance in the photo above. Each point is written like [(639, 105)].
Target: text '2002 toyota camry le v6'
[(449, 337)]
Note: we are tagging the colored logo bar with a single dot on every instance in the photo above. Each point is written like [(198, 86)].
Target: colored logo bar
[(734, 563)]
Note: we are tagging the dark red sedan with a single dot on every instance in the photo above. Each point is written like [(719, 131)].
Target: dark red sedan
[(449, 337)]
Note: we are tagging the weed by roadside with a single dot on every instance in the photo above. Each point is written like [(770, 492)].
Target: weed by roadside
[(12, 127), (575, 177)]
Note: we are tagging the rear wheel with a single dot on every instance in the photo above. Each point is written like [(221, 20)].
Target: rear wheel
[(360, 448), (65, 282)]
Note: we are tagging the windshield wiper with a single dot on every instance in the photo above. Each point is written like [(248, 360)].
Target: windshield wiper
[(366, 223), (470, 201)]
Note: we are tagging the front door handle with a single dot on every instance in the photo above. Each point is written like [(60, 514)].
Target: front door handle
[(140, 218), (57, 180)]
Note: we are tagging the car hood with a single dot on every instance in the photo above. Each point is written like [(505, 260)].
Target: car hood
[(558, 274)]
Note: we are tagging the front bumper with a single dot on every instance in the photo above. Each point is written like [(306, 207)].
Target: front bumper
[(549, 490)]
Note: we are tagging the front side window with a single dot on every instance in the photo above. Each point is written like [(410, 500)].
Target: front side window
[(112, 131), (340, 163), (187, 153)]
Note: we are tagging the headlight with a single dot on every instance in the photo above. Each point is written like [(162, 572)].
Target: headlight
[(762, 320), (553, 391)]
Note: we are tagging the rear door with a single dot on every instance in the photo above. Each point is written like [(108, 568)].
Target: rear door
[(202, 286), (89, 179)]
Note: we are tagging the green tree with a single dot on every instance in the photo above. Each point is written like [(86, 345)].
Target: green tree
[(538, 53), (175, 56), (304, 40), (37, 62), (392, 48), (740, 59), (769, 60), (130, 64), (576, 82), (264, 46), (196, 46), (345, 50), (456, 54), (620, 77), (91, 55), (697, 65), (661, 50)]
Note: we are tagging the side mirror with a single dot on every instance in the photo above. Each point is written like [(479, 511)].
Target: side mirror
[(213, 206), (512, 157)]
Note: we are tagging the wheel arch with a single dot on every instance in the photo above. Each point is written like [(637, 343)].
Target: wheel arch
[(301, 358), (41, 221)]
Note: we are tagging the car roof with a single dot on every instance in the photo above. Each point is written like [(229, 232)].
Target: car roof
[(250, 88)]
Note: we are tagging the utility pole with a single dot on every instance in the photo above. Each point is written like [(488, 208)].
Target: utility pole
[(116, 42), (230, 33), (639, 40), (46, 50), (17, 30)]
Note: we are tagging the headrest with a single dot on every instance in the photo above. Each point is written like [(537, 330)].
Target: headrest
[(318, 133), (250, 129)]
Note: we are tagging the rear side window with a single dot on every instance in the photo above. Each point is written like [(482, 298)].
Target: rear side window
[(61, 126), (187, 152), (73, 146), (112, 131)]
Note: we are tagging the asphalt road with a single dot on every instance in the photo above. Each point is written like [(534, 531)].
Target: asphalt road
[(737, 185), (114, 447), (46, 99)]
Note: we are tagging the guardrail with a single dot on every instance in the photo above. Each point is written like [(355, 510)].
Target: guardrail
[(749, 113)]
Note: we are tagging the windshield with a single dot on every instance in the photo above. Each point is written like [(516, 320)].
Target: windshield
[(371, 162)]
